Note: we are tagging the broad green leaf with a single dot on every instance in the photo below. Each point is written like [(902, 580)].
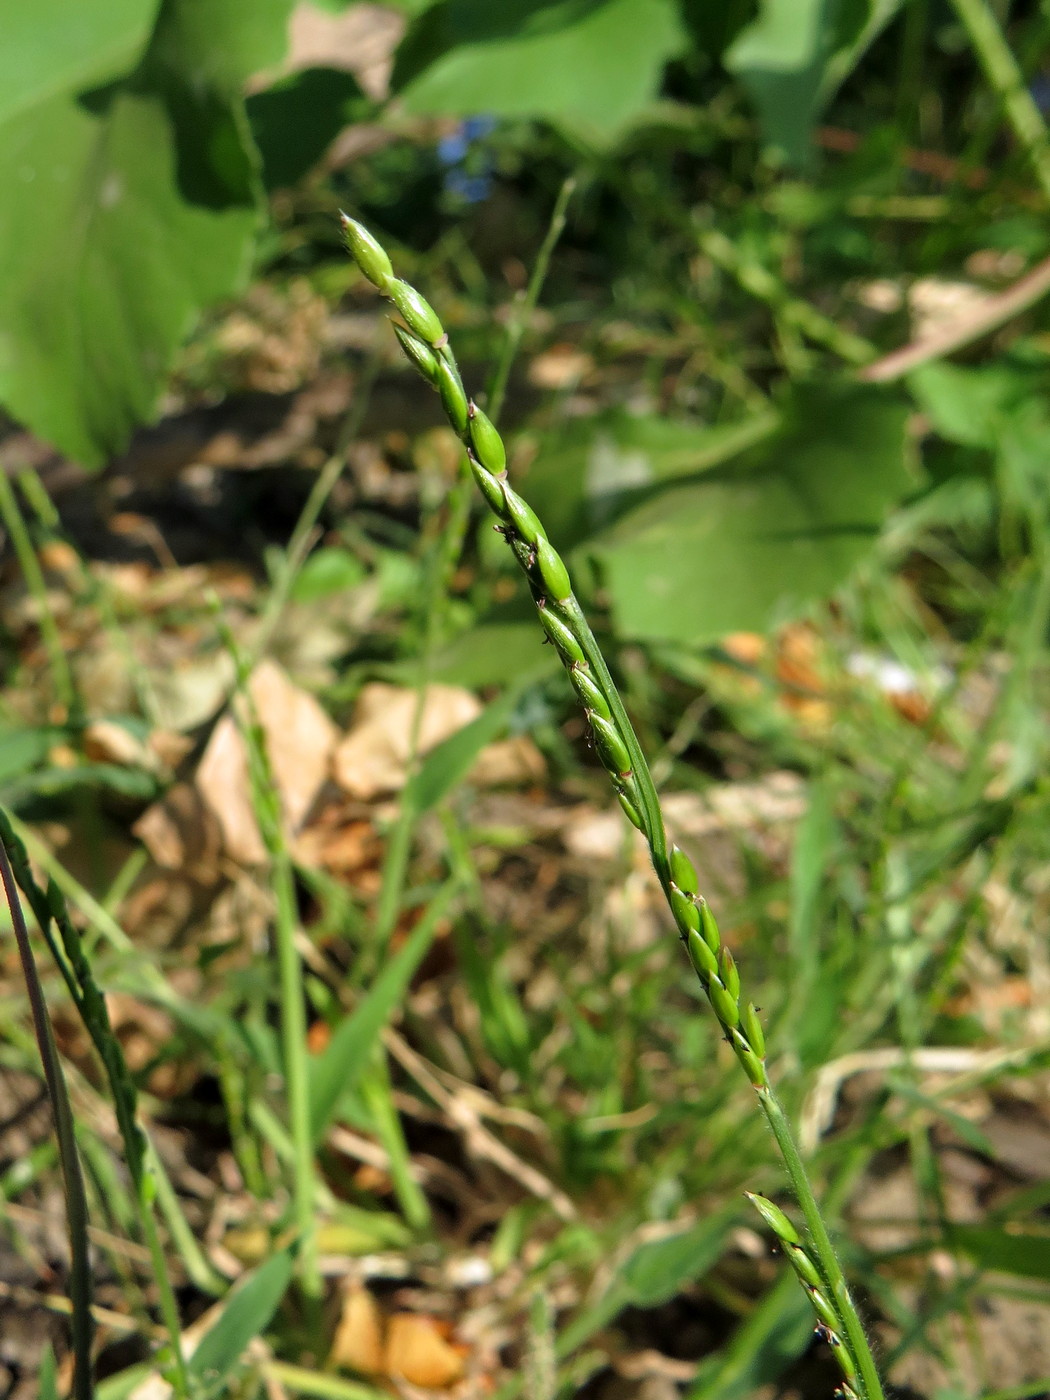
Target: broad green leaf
[(52, 46), (600, 466), (795, 54), (659, 1269), (295, 121), (780, 59), (1003, 1251), (590, 65), (489, 652), (714, 27), (748, 545), (346, 1055), (23, 749), (1001, 408), (136, 206), (247, 1313), (327, 571), (964, 405), (221, 43)]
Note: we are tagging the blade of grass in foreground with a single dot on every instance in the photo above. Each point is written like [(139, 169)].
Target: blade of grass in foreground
[(49, 907), (72, 1178), (425, 343)]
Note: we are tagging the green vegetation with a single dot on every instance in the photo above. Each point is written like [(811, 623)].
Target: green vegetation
[(370, 1056)]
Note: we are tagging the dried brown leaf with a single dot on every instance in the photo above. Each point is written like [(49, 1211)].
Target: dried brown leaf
[(299, 739), (374, 756), (181, 833), (358, 1341), (417, 1352)]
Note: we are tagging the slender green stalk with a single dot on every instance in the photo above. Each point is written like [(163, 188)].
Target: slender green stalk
[(399, 842), (15, 524), (525, 303), (83, 1326), (296, 1070), (1004, 76), (398, 848), (302, 536), (425, 343), (194, 1260), (299, 1381), (794, 312), (850, 1326), (376, 1091), (291, 986)]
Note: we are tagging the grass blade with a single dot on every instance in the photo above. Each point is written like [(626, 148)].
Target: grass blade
[(247, 1313), (450, 760), (774, 1335), (346, 1056), (47, 1380)]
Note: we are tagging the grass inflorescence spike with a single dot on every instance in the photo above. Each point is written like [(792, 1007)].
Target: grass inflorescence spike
[(829, 1322), (426, 345)]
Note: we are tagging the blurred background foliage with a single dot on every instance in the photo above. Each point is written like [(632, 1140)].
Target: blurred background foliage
[(783, 404), (709, 228)]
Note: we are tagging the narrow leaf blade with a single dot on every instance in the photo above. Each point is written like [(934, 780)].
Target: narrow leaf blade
[(245, 1316), (347, 1054), (451, 760)]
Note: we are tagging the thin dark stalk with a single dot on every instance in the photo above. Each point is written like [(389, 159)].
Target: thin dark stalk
[(49, 907), (83, 1327)]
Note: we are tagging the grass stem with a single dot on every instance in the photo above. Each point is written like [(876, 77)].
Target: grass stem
[(296, 1071), (14, 523), (526, 301), (291, 983), (69, 953), (303, 534), (1006, 80), (820, 1240)]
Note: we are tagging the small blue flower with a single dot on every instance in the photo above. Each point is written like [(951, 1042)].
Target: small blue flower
[(453, 148), (468, 170), (1039, 88)]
